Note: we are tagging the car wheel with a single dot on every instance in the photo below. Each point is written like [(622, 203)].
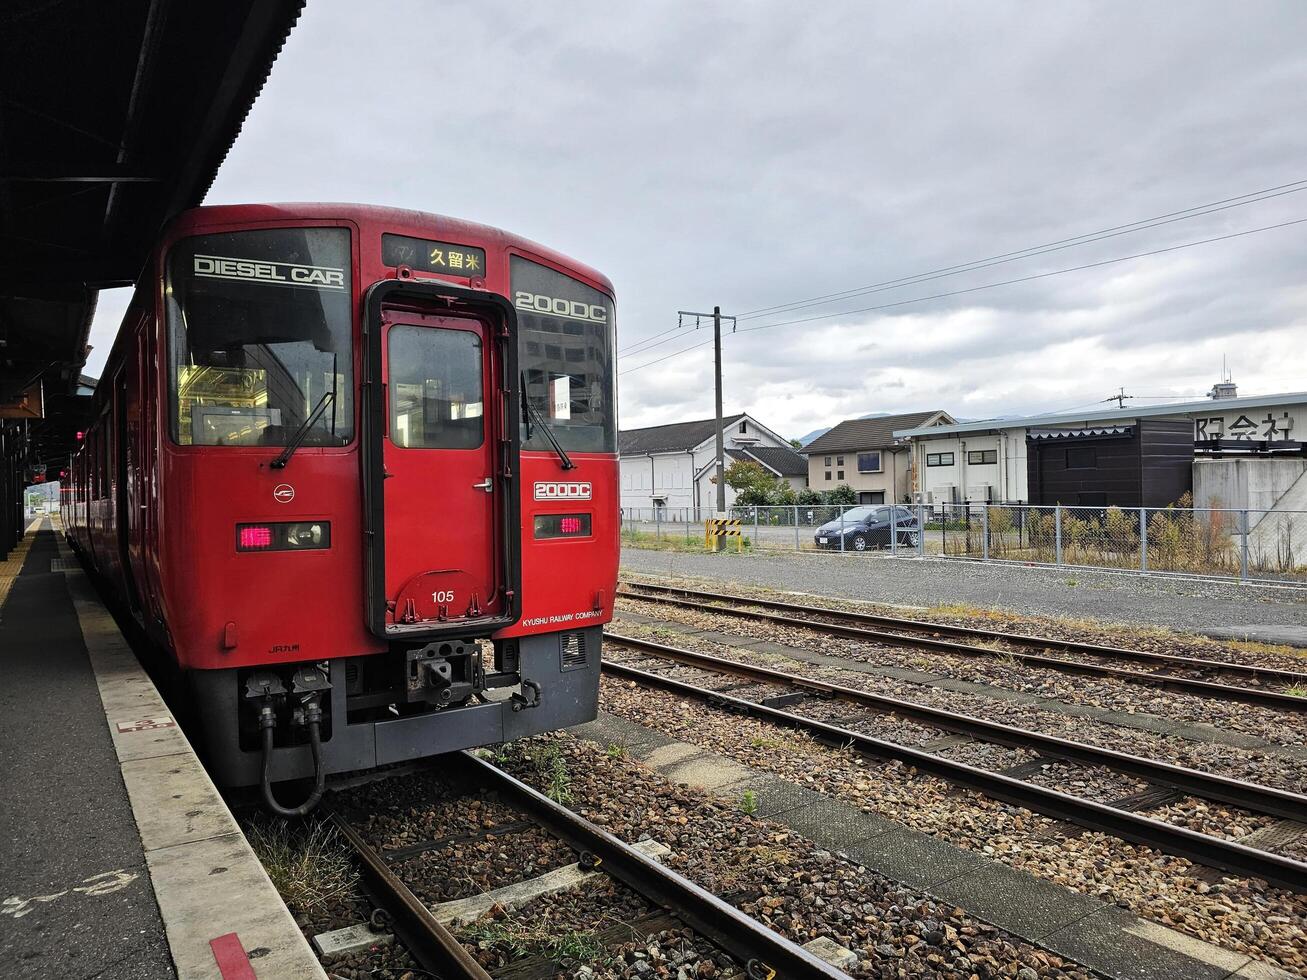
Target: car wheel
[(914, 539), (859, 542)]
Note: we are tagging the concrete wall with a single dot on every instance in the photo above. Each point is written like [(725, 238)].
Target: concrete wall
[(1255, 484), (1274, 491)]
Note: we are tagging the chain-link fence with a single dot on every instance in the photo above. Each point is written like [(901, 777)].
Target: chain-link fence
[(1247, 544)]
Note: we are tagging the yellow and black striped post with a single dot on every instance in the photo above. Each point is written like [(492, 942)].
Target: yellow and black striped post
[(716, 528)]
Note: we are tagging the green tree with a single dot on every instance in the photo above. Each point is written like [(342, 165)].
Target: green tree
[(755, 486), (843, 494)]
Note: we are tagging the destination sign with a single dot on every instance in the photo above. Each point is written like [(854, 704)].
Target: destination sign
[(421, 253)]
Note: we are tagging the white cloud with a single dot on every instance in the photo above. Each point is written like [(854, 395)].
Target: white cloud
[(754, 155)]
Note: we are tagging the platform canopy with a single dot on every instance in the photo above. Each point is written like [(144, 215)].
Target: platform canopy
[(114, 116)]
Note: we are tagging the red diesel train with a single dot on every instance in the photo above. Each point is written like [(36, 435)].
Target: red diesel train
[(340, 453)]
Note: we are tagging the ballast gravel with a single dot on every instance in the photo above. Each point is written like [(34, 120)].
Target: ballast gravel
[(1179, 604), (775, 875), (1253, 765), (1149, 638), (1096, 783), (1246, 915), (998, 671)]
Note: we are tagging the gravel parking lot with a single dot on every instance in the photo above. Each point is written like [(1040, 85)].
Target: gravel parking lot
[(1221, 609)]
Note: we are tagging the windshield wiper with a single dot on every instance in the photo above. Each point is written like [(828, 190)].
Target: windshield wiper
[(280, 462), (531, 413)]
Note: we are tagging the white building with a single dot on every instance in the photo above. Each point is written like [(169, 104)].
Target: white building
[(671, 467), (987, 460)]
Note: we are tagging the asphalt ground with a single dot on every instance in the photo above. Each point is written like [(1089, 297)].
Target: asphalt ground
[(1223, 609), (75, 894)]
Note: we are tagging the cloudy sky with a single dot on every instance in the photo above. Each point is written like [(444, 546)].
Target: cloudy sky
[(763, 154)]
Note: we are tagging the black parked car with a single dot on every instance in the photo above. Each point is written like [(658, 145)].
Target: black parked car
[(868, 527)]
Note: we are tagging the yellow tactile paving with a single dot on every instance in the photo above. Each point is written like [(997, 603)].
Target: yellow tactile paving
[(11, 566)]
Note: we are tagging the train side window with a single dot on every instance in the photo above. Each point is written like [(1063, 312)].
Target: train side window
[(434, 379)]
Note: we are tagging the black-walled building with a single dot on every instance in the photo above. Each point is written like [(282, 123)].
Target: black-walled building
[(1145, 464)]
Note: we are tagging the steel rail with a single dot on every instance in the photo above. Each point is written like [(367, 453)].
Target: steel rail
[(1200, 848), (762, 951), (435, 947), (1249, 671), (1207, 689), (1210, 786)]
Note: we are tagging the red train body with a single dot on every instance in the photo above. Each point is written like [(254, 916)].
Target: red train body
[(339, 453)]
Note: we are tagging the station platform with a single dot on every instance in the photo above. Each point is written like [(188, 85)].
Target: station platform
[(118, 857)]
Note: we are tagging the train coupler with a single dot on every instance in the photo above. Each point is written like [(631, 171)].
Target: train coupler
[(444, 673), (521, 701)]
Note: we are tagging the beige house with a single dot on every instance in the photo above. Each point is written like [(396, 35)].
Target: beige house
[(864, 454)]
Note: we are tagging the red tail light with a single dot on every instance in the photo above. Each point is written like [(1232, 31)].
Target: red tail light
[(254, 536), (562, 525)]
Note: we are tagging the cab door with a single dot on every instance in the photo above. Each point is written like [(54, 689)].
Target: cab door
[(440, 488), (440, 447)]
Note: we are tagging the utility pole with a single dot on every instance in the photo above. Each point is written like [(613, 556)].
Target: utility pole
[(1119, 398), (717, 377), (720, 447)]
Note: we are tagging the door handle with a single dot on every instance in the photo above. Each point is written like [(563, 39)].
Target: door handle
[(488, 485)]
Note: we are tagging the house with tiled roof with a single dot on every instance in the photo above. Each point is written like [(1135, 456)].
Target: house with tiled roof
[(670, 468), (865, 454)]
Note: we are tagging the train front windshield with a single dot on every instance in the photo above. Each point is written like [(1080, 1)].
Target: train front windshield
[(259, 331), (565, 352)]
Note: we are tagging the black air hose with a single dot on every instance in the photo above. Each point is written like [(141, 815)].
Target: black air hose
[(268, 720)]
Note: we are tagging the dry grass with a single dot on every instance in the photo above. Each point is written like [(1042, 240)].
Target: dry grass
[(746, 862), (307, 863), (972, 612), (1274, 649), (520, 940)]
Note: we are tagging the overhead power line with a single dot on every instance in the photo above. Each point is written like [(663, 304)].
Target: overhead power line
[(637, 344), (1088, 238), (665, 357), (991, 285), (1030, 278), (645, 344)]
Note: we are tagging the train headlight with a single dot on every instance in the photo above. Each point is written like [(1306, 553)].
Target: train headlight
[(287, 536), (305, 535)]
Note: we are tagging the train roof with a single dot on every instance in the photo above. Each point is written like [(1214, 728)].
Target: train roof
[(398, 220)]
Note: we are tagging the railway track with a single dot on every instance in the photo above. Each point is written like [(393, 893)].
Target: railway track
[(924, 635), (764, 953), (1202, 848)]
